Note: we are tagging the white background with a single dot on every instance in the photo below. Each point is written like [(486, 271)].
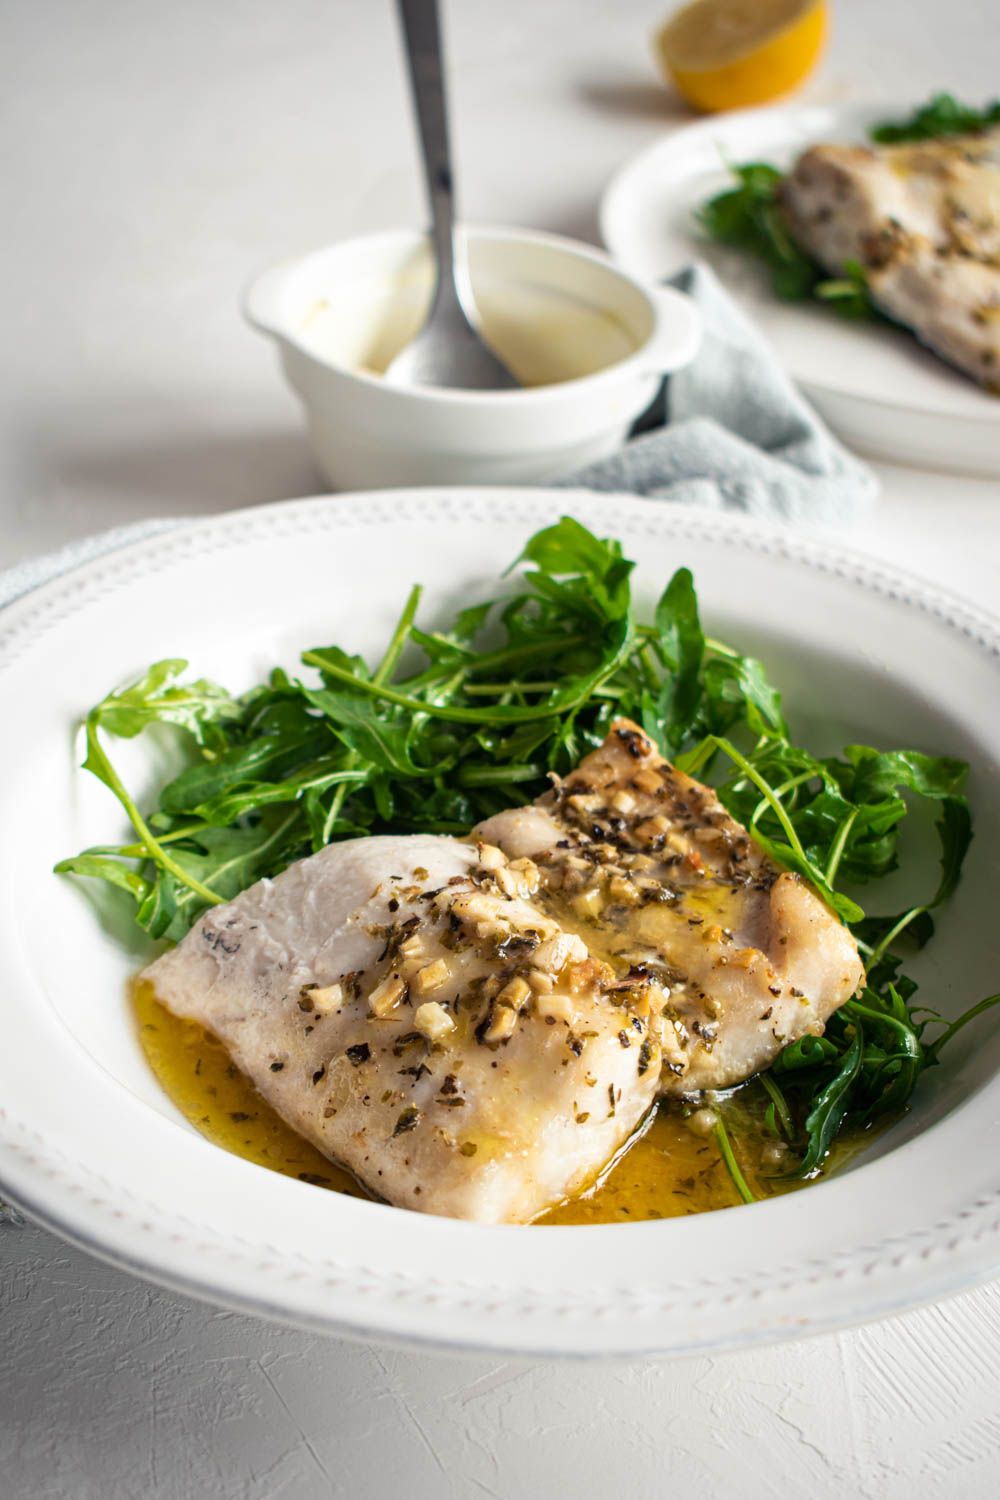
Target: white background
[(153, 158)]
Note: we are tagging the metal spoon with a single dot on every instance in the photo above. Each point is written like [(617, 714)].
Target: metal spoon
[(448, 350)]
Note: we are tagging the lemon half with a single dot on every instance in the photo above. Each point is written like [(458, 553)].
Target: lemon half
[(728, 54)]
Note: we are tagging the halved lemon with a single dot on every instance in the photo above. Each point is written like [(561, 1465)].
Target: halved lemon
[(728, 54)]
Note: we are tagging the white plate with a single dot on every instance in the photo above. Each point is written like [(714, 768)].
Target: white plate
[(875, 385), (90, 1145)]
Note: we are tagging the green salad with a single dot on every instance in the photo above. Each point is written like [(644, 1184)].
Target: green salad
[(457, 722)]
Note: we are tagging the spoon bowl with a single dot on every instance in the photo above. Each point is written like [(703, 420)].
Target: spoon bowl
[(449, 353)]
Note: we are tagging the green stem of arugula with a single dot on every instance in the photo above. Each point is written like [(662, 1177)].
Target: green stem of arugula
[(400, 636), (274, 838), (692, 761), (489, 660), (385, 670), (767, 792), (445, 711), (885, 943), (447, 690), (931, 1051), (499, 775), (150, 843), (138, 851), (839, 845), (780, 1104), (732, 1165), (718, 648), (911, 1041), (498, 689), (648, 669), (779, 791)]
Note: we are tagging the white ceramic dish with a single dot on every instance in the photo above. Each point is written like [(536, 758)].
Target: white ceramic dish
[(555, 310), (91, 1146), (875, 385)]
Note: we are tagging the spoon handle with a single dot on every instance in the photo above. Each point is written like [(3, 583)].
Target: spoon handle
[(423, 46)]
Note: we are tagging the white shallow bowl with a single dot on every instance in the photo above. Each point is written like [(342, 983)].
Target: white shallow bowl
[(876, 385), (552, 307), (91, 1146)]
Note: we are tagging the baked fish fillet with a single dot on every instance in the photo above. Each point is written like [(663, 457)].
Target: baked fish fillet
[(738, 957), (475, 1029), (404, 1005), (923, 220)]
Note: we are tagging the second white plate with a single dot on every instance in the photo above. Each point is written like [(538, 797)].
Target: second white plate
[(875, 385)]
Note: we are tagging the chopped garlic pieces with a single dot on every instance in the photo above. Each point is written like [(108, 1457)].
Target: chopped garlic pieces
[(556, 1007), (514, 994), (476, 906), (540, 982), (623, 891), (431, 977), (491, 858), (433, 1021), (648, 781), (703, 1121), (386, 996), (327, 1000), (653, 830), (501, 1025), (589, 902), (506, 1009), (585, 802), (518, 879), (565, 947)]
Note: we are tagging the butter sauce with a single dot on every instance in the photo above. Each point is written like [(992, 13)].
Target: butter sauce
[(196, 1073), (667, 1171)]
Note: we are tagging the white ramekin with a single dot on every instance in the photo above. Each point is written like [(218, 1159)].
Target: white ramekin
[(368, 433)]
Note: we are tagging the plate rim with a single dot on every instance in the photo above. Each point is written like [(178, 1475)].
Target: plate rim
[(43, 606)]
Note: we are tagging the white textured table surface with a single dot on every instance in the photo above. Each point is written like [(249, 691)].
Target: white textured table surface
[(153, 158)]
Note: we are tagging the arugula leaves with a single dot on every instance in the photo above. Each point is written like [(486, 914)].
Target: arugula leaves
[(456, 723), (749, 217), (942, 116)]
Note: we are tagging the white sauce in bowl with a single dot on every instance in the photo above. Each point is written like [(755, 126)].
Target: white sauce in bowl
[(545, 334)]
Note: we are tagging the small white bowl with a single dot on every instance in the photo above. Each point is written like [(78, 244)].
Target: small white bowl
[(594, 341)]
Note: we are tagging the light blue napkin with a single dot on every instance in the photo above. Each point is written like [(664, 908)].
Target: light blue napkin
[(739, 435)]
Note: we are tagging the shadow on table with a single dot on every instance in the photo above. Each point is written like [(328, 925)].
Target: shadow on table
[(198, 471), (75, 481), (636, 99)]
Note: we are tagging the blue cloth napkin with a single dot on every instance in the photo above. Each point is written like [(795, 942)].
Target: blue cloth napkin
[(736, 433)]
